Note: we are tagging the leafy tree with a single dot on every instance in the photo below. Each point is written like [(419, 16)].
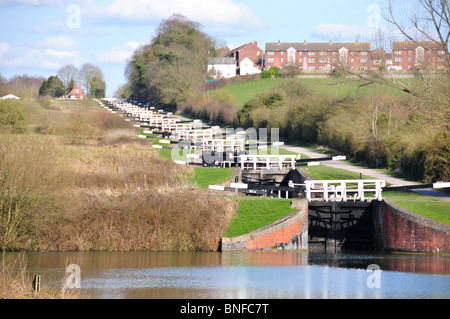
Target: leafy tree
[(53, 87), (172, 68)]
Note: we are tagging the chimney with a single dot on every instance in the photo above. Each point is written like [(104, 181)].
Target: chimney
[(255, 43), (304, 42), (331, 42)]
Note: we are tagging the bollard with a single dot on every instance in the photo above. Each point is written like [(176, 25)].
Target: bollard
[(37, 283)]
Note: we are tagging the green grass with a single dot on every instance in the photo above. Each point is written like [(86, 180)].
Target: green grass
[(334, 87), (205, 176), (254, 213), (322, 172), (246, 91), (426, 206)]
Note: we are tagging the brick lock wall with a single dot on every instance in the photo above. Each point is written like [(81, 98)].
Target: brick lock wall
[(404, 231), (290, 233), (275, 238)]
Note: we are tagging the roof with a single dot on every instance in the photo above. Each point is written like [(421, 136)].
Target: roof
[(322, 47), (411, 45), (243, 46), (77, 87), (378, 54), (10, 97), (216, 61)]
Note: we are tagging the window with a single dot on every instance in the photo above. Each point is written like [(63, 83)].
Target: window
[(440, 59), (270, 53), (323, 68), (300, 60), (270, 60), (282, 53), (311, 68), (323, 53), (301, 53), (282, 60), (398, 59), (311, 60), (323, 60), (398, 52), (311, 53), (364, 53), (363, 60), (441, 52)]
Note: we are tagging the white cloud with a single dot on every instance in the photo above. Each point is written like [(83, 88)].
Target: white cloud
[(25, 56), (62, 54), (60, 42), (36, 2), (118, 54), (50, 65), (207, 12), (4, 47)]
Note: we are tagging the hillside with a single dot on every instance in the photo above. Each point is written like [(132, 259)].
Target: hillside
[(334, 87)]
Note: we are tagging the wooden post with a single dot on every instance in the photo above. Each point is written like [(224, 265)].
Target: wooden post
[(37, 283)]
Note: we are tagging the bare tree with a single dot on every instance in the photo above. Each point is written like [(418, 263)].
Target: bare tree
[(67, 74), (90, 76), (426, 24), (429, 21)]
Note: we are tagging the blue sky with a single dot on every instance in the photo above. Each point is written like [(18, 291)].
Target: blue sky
[(37, 37)]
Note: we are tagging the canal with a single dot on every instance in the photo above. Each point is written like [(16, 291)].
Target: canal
[(245, 275)]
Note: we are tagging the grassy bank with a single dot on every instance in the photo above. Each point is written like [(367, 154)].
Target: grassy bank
[(254, 213), (426, 206), (336, 88)]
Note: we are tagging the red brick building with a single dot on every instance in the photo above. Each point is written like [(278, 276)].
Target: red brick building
[(380, 59), (410, 55), (77, 93), (250, 51), (318, 57)]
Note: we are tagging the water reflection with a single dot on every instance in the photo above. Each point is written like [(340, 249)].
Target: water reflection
[(251, 275)]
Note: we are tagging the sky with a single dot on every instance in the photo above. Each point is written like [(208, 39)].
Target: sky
[(37, 37)]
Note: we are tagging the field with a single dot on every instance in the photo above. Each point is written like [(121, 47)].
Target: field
[(337, 88)]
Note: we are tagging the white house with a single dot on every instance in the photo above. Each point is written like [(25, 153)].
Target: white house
[(10, 97), (248, 67), (222, 67)]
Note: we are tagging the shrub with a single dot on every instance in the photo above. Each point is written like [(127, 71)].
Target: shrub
[(12, 117), (29, 175)]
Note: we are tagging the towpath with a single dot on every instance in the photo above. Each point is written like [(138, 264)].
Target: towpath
[(366, 171)]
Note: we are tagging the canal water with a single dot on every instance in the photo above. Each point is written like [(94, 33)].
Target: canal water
[(246, 275)]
